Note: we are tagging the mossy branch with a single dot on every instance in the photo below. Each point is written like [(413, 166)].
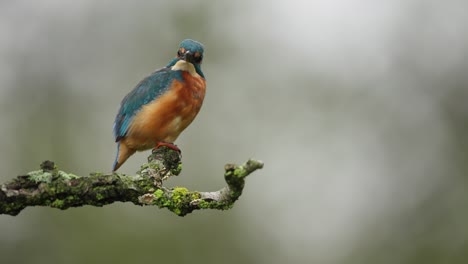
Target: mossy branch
[(52, 187)]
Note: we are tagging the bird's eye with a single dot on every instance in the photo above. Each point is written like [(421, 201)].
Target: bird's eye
[(198, 59), (180, 52)]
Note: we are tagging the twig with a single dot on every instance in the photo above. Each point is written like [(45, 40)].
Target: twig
[(52, 187)]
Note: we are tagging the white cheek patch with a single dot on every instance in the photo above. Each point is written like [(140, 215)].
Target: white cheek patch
[(185, 66)]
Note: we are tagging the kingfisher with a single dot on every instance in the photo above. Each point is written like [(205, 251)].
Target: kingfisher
[(162, 105)]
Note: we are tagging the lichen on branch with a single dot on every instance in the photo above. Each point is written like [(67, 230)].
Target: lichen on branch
[(52, 187)]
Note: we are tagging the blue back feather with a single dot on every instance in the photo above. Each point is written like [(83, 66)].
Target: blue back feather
[(148, 90)]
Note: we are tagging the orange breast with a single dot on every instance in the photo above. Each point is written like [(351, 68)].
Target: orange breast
[(166, 117)]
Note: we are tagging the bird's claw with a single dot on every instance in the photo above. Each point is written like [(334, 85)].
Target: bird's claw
[(169, 145)]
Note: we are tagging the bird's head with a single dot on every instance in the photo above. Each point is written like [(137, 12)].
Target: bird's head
[(190, 51), (189, 57)]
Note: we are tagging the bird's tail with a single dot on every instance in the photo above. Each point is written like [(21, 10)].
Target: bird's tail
[(123, 153)]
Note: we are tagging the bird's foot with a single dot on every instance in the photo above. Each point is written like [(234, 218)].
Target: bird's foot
[(169, 145)]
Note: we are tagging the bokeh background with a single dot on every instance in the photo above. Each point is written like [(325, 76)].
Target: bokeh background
[(358, 109)]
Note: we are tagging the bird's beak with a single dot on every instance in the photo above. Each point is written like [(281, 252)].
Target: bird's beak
[(188, 57)]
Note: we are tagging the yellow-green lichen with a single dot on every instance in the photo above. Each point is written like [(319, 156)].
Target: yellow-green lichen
[(176, 171), (179, 193), (57, 203), (67, 176), (178, 200), (99, 196), (150, 165), (40, 176), (158, 193), (195, 196), (239, 172), (203, 204)]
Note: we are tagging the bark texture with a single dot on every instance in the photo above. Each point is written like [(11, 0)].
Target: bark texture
[(52, 187)]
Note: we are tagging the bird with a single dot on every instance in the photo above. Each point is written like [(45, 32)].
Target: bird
[(161, 105)]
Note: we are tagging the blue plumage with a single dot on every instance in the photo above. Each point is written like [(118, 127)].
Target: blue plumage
[(160, 119), (146, 91)]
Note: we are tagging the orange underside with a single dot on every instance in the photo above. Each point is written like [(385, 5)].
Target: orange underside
[(164, 118)]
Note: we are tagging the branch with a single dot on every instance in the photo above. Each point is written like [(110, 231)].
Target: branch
[(52, 187)]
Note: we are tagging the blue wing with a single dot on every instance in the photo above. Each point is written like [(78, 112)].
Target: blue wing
[(145, 92)]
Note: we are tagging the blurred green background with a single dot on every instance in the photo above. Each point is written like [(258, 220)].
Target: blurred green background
[(358, 109)]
